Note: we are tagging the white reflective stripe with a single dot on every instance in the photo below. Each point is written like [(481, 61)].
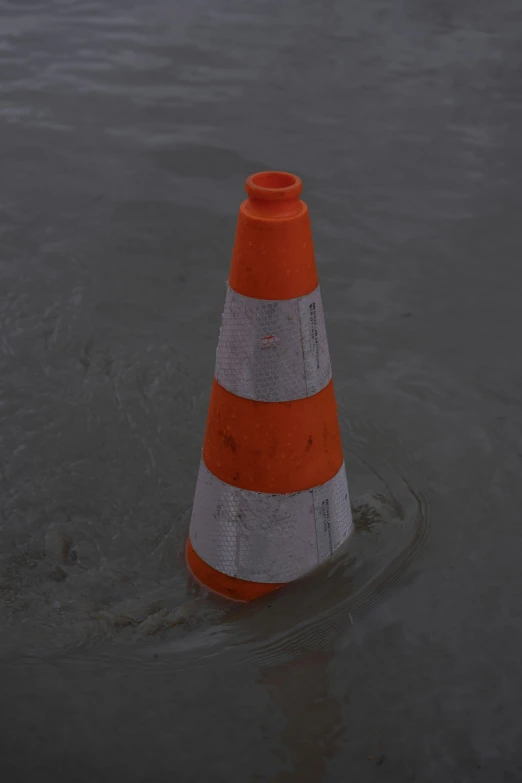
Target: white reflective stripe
[(268, 538), (273, 351)]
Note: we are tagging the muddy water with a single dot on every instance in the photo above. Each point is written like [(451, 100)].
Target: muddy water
[(126, 131)]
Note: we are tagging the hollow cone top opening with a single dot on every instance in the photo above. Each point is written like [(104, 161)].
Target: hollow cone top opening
[(273, 197), (273, 186)]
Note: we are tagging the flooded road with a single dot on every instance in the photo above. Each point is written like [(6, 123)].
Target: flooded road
[(126, 132)]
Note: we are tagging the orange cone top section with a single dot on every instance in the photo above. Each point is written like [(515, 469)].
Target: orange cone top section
[(274, 447), (273, 256)]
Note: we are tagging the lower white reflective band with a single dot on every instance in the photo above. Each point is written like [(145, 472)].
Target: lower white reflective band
[(273, 351), (268, 538)]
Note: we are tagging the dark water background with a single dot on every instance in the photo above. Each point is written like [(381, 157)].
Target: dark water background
[(126, 132)]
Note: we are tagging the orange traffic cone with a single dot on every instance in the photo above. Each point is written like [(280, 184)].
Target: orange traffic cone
[(271, 500)]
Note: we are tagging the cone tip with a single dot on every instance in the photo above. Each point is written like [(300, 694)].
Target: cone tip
[(273, 186)]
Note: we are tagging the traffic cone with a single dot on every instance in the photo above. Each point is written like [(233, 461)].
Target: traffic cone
[(271, 499)]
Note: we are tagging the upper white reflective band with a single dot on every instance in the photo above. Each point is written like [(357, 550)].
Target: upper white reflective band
[(273, 351), (268, 538)]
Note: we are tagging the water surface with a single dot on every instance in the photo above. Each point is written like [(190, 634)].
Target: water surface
[(126, 132)]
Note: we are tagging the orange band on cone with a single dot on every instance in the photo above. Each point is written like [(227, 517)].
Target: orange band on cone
[(275, 447)]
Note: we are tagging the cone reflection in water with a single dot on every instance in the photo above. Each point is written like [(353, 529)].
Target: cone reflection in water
[(271, 499)]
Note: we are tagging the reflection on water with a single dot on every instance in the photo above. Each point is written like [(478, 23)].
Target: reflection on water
[(313, 717)]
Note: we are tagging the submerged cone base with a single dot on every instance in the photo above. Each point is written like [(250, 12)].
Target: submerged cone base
[(222, 584)]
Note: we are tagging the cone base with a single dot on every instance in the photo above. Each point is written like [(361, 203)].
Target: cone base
[(222, 584)]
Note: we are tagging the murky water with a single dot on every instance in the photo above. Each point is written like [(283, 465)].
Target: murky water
[(126, 132)]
